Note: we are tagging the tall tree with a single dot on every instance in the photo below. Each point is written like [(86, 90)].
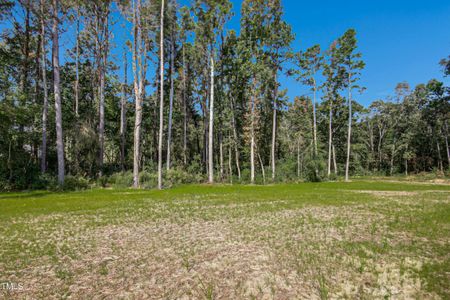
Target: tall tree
[(123, 113), (57, 92), (351, 60), (279, 37), (309, 64), (45, 90), (172, 86), (139, 70), (161, 95), (211, 17)]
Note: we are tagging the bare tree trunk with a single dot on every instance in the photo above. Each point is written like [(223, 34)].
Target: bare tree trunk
[(26, 53), (221, 155), (406, 167), (123, 113), (102, 73), (161, 99), (440, 165), (44, 87), (172, 74), (446, 144), (262, 168), (274, 130), (101, 126), (334, 160), (391, 172), (372, 146), (229, 165), (185, 112), (298, 157), (330, 137), (137, 60), (314, 120), (9, 161), (235, 139), (211, 124), (349, 134), (57, 92), (77, 55), (252, 137)]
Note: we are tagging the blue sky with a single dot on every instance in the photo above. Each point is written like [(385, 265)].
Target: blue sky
[(400, 40)]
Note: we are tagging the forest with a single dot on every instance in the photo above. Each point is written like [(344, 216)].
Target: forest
[(187, 100)]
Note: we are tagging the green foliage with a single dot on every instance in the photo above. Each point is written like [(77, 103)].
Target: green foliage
[(315, 170), (74, 183), (121, 180)]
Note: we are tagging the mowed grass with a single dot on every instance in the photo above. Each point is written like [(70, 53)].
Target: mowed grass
[(363, 239)]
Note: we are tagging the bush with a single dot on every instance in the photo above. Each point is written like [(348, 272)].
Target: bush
[(147, 180), (103, 181), (5, 186), (179, 176), (73, 183), (44, 181), (333, 177), (121, 180), (315, 171)]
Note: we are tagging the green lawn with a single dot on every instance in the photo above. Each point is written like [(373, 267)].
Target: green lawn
[(364, 239)]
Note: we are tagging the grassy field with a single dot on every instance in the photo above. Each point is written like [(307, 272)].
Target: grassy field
[(364, 239)]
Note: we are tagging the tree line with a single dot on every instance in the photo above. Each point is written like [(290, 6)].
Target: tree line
[(202, 102)]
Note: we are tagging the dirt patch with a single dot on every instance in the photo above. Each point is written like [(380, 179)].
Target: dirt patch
[(383, 194)]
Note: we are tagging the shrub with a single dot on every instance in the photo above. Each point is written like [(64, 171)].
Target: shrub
[(73, 183), (179, 176), (121, 180), (314, 170), (44, 181), (147, 180)]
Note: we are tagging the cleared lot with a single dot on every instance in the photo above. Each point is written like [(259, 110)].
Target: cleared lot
[(366, 239)]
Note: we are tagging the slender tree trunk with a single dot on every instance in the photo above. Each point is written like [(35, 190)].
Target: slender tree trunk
[(101, 127), (314, 120), (330, 137), (391, 172), (235, 139), (380, 140), (44, 88), (123, 113), (26, 54), (161, 99), (9, 161), (349, 134), (211, 124), (298, 157), (372, 146), (77, 55), (446, 144), (440, 165), (230, 168), (172, 75), (137, 60), (57, 92), (252, 137), (334, 160), (185, 112), (221, 155), (406, 167), (102, 72), (262, 168), (274, 127)]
